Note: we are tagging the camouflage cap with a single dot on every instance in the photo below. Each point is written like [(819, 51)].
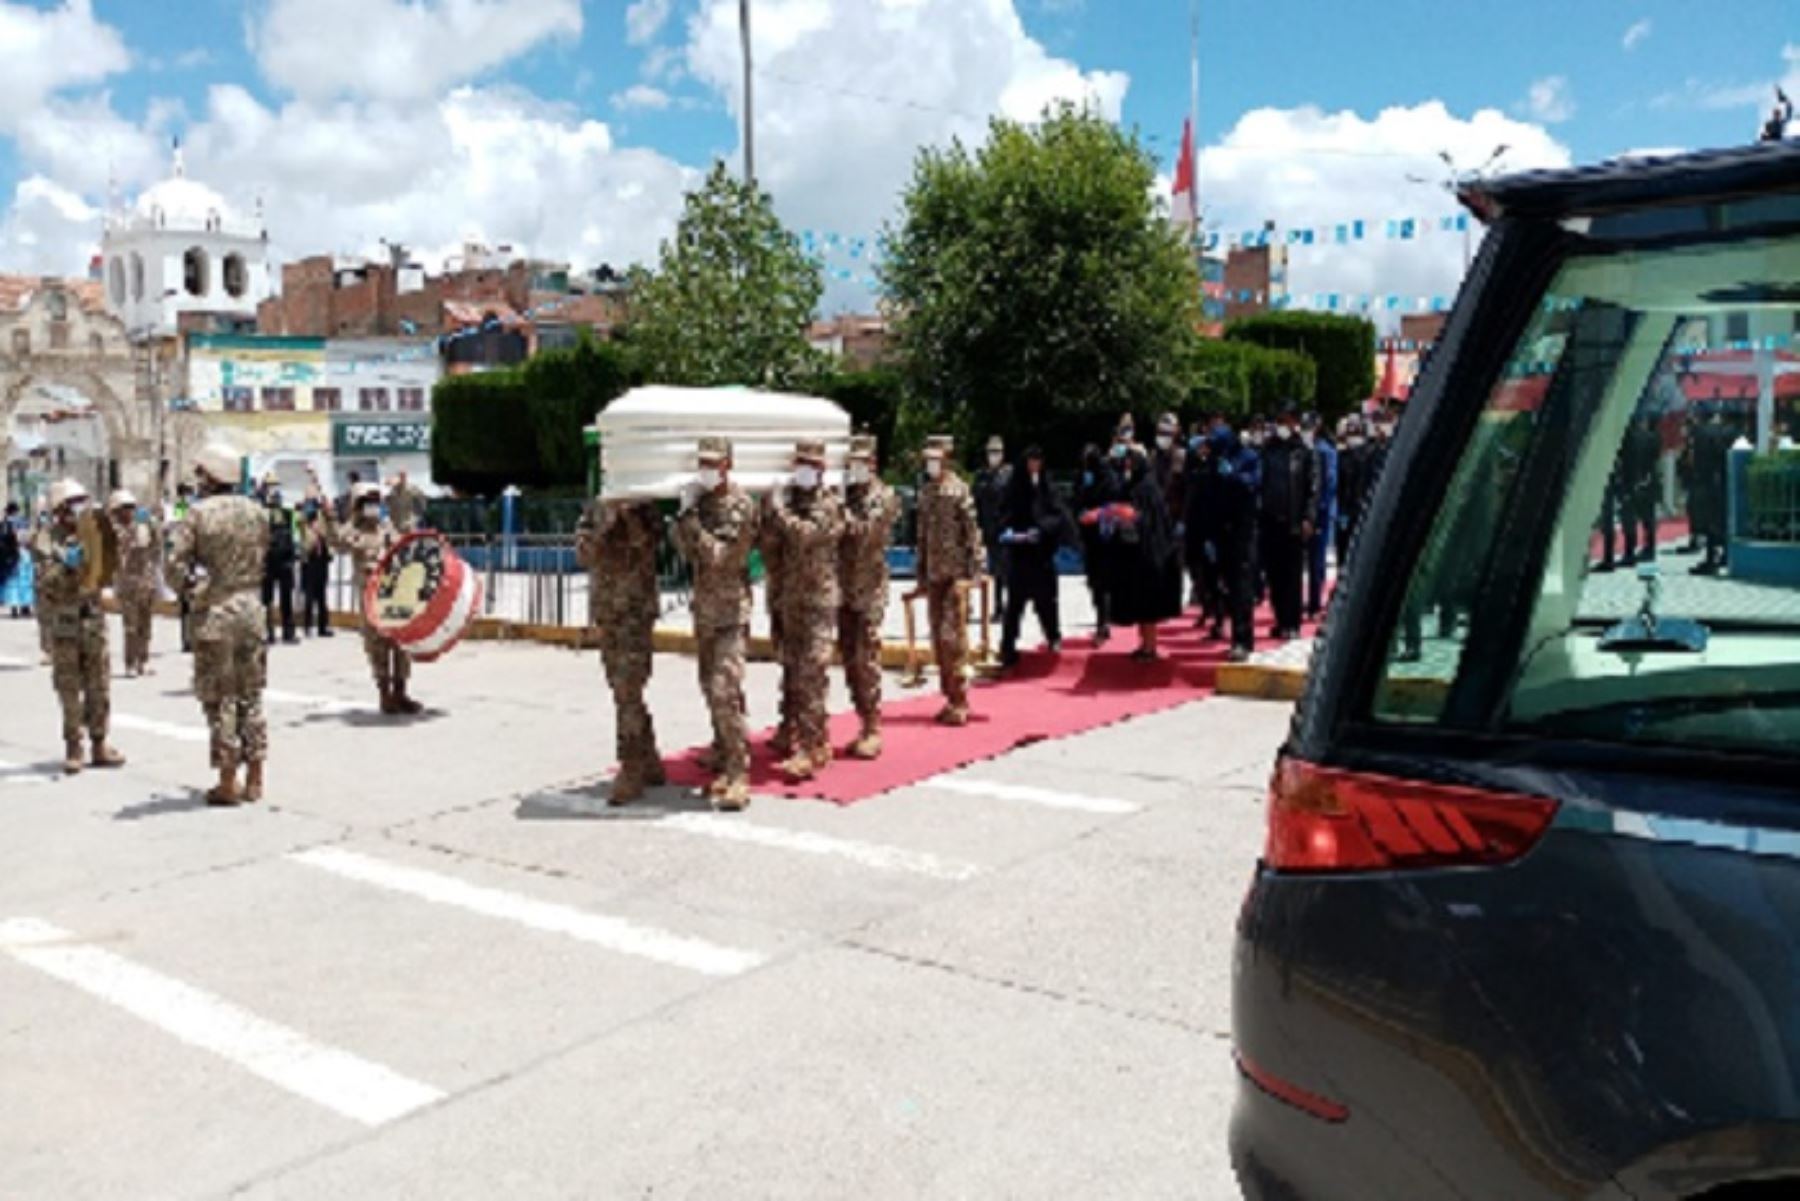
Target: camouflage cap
[(940, 445), (996, 443), (810, 450), (715, 450), (862, 446)]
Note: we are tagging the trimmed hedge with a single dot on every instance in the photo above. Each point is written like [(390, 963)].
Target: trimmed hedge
[(1341, 348), (523, 426), (1241, 378)]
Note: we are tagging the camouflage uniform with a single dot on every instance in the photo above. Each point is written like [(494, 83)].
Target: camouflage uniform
[(618, 544), (769, 545), (809, 525), (218, 555), (75, 627), (870, 510), (715, 536), (406, 505), (140, 554), (365, 543), (950, 552)]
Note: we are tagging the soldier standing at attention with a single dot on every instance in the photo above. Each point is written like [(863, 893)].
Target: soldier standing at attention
[(808, 523), (369, 537), (617, 541), (219, 555), (950, 553), (715, 532), (775, 574), (140, 548), (870, 508), (406, 504), (69, 602)]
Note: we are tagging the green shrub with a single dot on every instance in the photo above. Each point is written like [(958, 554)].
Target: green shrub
[(1241, 378), (1342, 350)]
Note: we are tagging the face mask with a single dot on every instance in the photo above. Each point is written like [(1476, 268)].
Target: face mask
[(1353, 440), (1034, 476), (859, 473), (1286, 431), (934, 468), (996, 457), (1119, 452), (806, 477), (709, 478), (1164, 441), (368, 511), (76, 509)]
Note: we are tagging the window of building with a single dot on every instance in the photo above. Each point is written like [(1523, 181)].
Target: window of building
[(59, 335), (96, 344), (278, 400), (1737, 327), (373, 400), (115, 277), (412, 400), (239, 400), (237, 276), (137, 277), (21, 343), (196, 272), (327, 400)]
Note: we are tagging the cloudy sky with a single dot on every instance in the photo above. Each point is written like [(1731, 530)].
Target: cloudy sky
[(571, 128)]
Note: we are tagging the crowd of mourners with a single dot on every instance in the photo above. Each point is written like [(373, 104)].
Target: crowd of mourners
[(1215, 517)]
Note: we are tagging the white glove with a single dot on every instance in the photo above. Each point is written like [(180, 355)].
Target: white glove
[(690, 496)]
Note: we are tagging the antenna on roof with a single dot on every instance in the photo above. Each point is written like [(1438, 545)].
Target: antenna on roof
[(180, 167)]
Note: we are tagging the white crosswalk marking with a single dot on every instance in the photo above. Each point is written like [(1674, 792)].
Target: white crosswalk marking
[(1047, 797), (613, 933), (868, 854), (12, 661), (16, 773), (338, 1080), (162, 729)]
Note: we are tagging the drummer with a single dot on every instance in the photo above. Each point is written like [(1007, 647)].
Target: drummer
[(369, 537)]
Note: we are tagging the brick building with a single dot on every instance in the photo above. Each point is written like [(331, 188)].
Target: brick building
[(1255, 276), (860, 341)]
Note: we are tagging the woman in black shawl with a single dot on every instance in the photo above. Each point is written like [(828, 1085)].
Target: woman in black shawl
[(1097, 488), (1145, 586), (1033, 527)]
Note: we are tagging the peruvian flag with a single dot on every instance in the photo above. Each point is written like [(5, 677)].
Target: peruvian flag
[(1183, 211)]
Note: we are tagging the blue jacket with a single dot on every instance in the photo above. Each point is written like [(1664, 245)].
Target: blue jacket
[(1328, 483)]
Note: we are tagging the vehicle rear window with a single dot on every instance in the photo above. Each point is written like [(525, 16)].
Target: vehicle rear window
[(1632, 464)]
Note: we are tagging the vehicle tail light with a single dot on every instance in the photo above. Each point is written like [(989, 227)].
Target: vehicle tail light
[(1284, 1090), (1327, 820)]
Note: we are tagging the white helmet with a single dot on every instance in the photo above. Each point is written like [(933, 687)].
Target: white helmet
[(365, 491), (122, 499), (218, 463), (64, 492)]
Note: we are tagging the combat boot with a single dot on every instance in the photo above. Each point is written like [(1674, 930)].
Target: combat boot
[(225, 792), (953, 715), (654, 774), (253, 781), (799, 766), (104, 755), (734, 795), (73, 761), (868, 745), (387, 699), (404, 703), (781, 745), (627, 786)]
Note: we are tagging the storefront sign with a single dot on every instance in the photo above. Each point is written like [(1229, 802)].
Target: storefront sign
[(364, 438)]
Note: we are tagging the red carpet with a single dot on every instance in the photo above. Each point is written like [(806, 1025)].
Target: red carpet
[(1669, 529), (1045, 697)]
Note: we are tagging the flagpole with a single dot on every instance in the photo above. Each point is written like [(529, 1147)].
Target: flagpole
[(1194, 108)]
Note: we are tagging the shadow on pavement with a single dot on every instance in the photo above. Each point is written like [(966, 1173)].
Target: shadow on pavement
[(589, 803), (185, 802)]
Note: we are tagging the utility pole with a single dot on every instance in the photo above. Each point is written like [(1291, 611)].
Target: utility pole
[(749, 96)]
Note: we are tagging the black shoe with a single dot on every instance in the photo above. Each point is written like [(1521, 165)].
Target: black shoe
[(1605, 565), (1704, 569), (324, 633), (291, 639), (1056, 646)]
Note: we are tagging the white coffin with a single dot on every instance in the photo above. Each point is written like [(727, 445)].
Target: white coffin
[(650, 437)]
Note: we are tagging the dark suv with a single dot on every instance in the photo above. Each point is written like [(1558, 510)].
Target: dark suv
[(1527, 924)]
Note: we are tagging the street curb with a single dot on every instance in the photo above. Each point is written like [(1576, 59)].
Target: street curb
[(1259, 681)]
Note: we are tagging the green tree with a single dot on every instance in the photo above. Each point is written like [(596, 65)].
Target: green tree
[(1342, 348), (1038, 290), (730, 300)]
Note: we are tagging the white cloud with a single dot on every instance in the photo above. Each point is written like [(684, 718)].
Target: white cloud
[(645, 19), (1635, 35), (1549, 99), (44, 51), (1718, 96), (48, 229), (641, 96), (848, 91), (1304, 167), (399, 49)]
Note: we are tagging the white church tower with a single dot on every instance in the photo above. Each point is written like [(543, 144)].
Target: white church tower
[(180, 249)]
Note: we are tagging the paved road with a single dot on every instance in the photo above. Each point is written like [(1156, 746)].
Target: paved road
[(434, 966)]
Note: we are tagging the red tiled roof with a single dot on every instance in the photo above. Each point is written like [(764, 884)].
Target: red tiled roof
[(16, 290)]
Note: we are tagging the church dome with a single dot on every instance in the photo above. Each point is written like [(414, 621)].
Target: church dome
[(181, 203)]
